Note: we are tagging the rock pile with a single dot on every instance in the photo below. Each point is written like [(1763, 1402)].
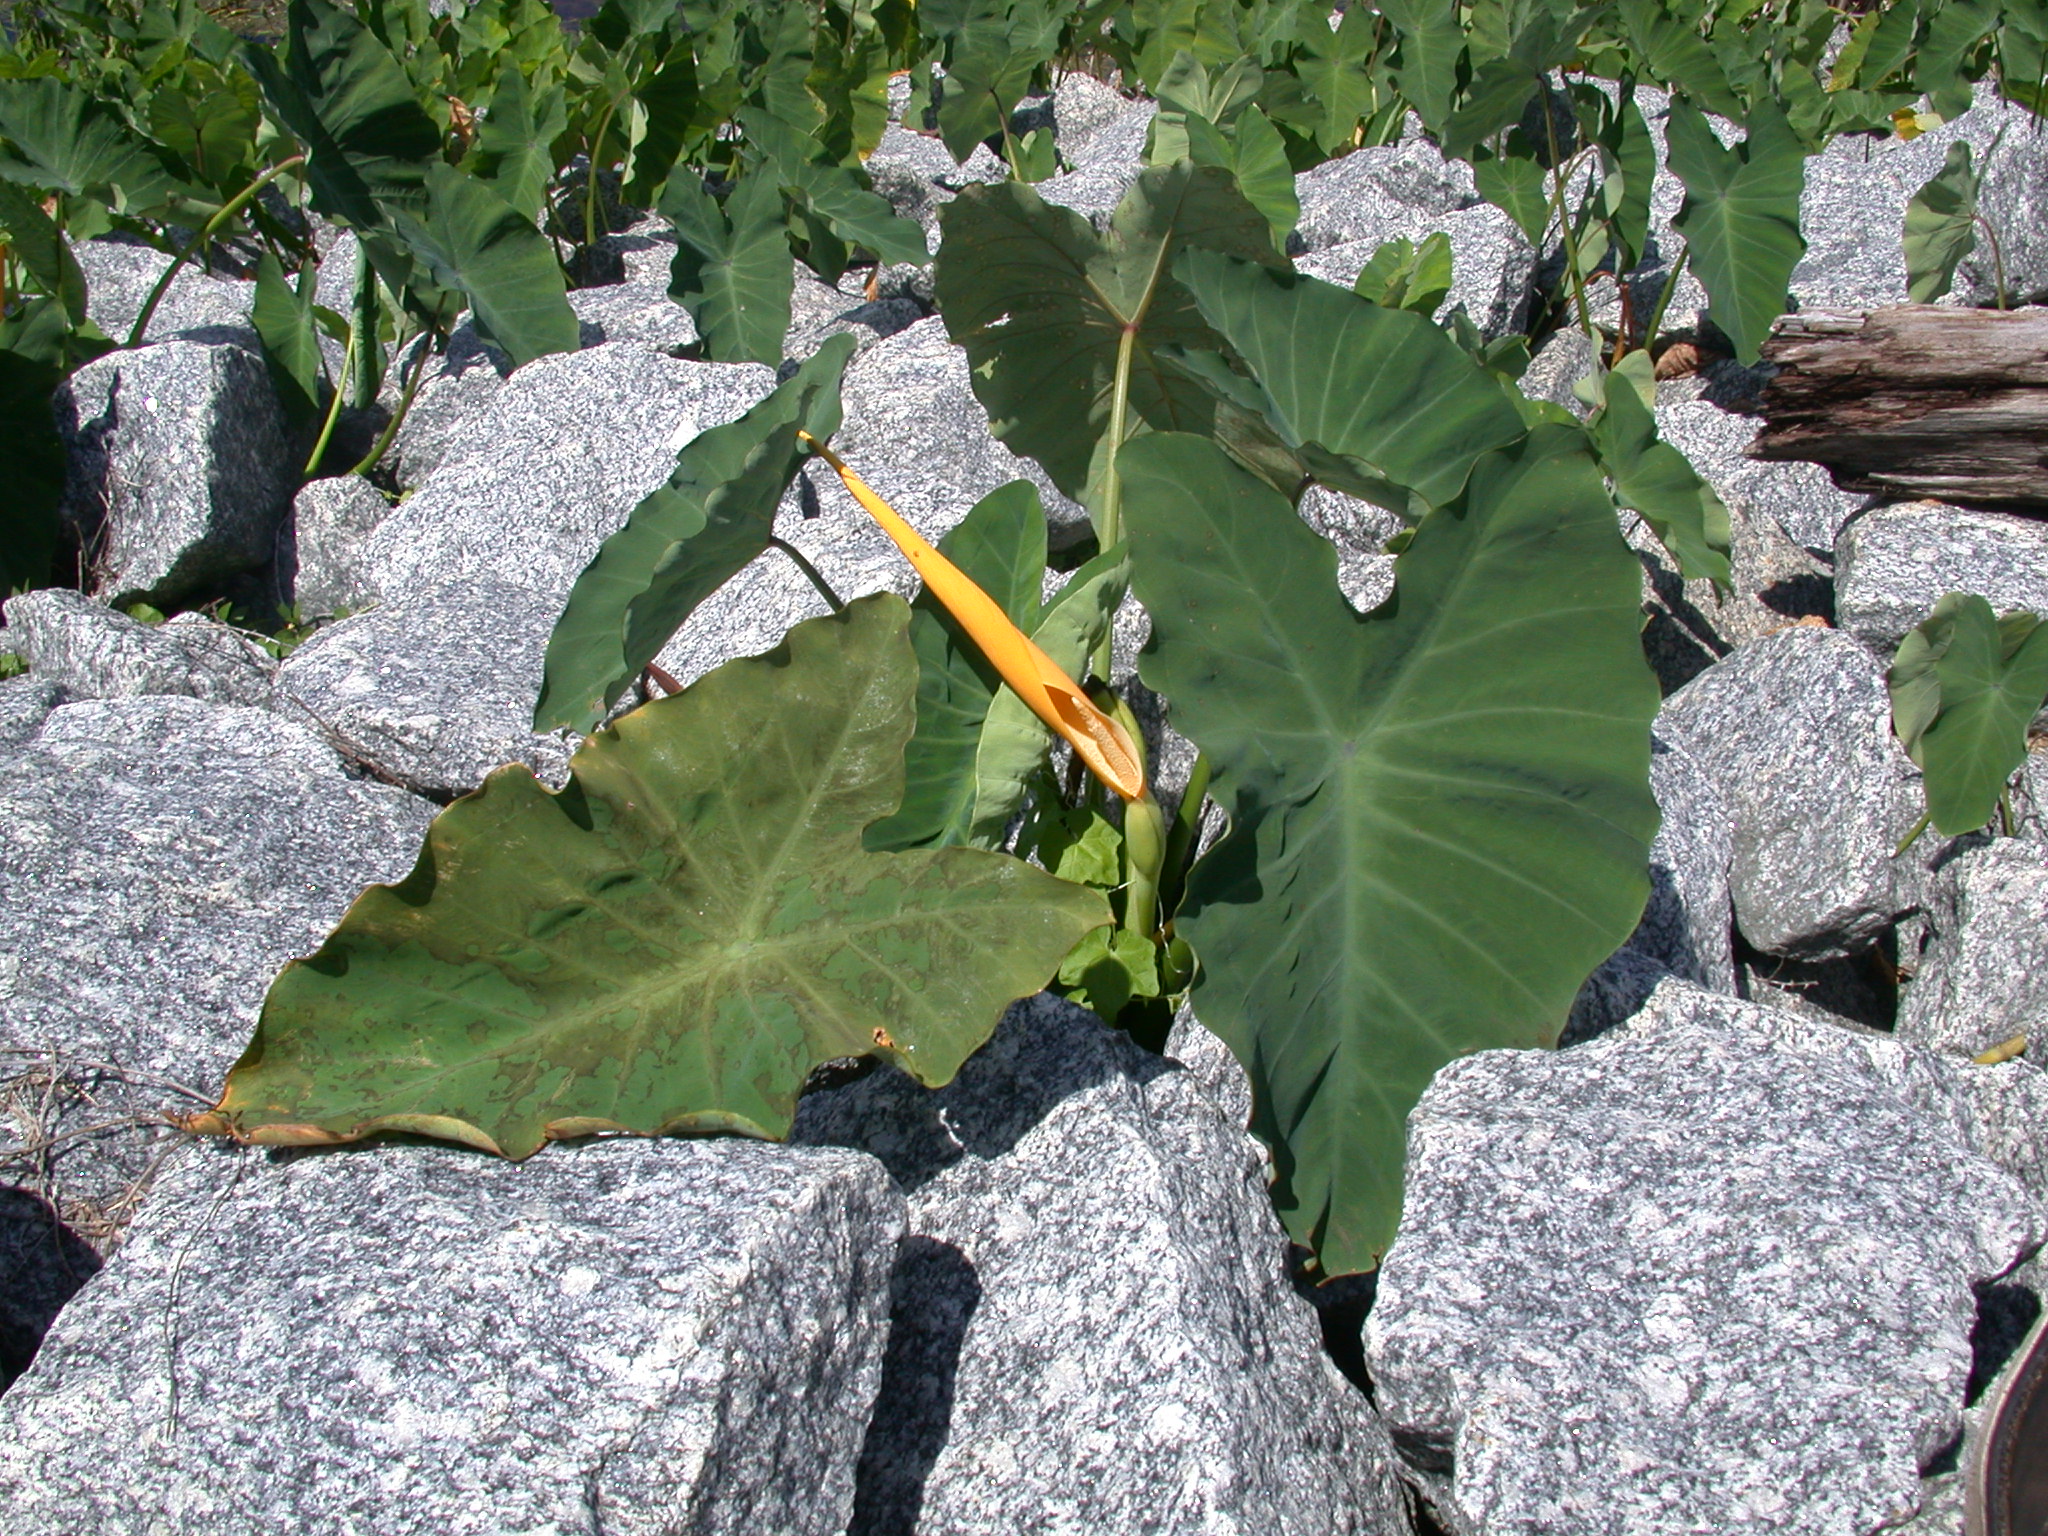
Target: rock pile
[(1738, 1258)]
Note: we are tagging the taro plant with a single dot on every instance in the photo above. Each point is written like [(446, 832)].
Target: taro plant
[(1966, 685)]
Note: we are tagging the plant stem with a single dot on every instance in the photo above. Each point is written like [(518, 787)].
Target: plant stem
[(1664, 298), (1180, 838), (1913, 836), (1109, 515), (348, 357), (229, 209), (384, 438), (816, 577), (1564, 219), (1144, 858), (1997, 259), (604, 123)]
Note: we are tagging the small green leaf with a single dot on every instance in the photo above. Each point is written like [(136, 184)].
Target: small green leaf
[(1432, 42), (668, 101), (673, 941), (1515, 185), (1440, 812), (1965, 685), (837, 194), (978, 745), (1740, 218), (993, 48), (1378, 402), (1656, 480), (284, 321), (1946, 61), (1941, 226), (1109, 968), (685, 540), (210, 123), (476, 243), (514, 140), (1255, 154), (732, 267), (1404, 275), (1075, 842)]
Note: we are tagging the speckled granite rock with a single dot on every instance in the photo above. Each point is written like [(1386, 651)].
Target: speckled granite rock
[(1352, 204), (25, 703), (92, 652), (1796, 729), (119, 277), (919, 177), (627, 1337), (435, 690), (1984, 976), (633, 314), (320, 545), (1710, 1272), (566, 450), (1685, 927), (1800, 498), (1093, 1329), (1105, 163), (42, 1265), (1893, 564), (818, 311), (160, 859), (179, 468), (452, 413)]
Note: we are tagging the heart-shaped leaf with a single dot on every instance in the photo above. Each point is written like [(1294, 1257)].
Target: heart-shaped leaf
[(732, 268), (1740, 217), (1965, 685), (1041, 303), (1941, 226), (674, 940), (1440, 812)]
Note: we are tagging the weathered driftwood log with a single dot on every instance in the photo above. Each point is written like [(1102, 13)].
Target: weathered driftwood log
[(1917, 401)]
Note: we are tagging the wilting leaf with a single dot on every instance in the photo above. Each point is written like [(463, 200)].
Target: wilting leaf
[(1740, 218), (1941, 226), (673, 941), (1041, 303), (1658, 481), (284, 320), (1440, 813), (1965, 685), (977, 745), (349, 102), (476, 243), (1371, 398), (685, 540), (732, 268)]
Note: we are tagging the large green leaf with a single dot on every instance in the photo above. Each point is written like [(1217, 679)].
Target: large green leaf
[(1673, 53), (1965, 685), (1041, 305), (514, 142), (732, 268), (1255, 154), (993, 48), (673, 941), (349, 102), (209, 120), (1943, 69), (1659, 482), (1371, 398), (37, 244), (64, 141), (1941, 226), (1740, 217), (476, 243), (1440, 812), (977, 744), (685, 540)]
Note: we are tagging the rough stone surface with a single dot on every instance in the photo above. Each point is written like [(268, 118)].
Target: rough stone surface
[(1105, 164), (179, 468), (119, 277), (1093, 1329), (644, 251), (435, 690), (1709, 1272), (819, 311), (25, 703), (1893, 564), (1984, 976), (1082, 107), (568, 448), (918, 175), (1351, 205), (633, 314), (1799, 497), (320, 545), (453, 411), (1685, 927), (89, 651), (628, 1337), (42, 1265), (1796, 729), (160, 859)]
